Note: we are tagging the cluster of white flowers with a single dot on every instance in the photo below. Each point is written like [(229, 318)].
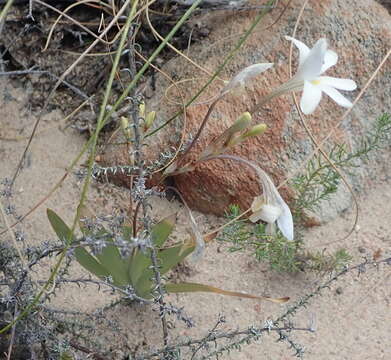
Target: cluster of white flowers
[(270, 207)]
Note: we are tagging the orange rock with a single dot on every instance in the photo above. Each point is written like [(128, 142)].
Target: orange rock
[(360, 37)]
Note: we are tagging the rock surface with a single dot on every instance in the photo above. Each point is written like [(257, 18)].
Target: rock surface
[(361, 38)]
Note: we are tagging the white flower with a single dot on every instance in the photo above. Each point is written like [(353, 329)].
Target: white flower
[(240, 79), (312, 63), (271, 208)]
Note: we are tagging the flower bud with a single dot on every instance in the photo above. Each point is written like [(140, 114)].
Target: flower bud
[(255, 130), (241, 123), (141, 109), (150, 118), (125, 127)]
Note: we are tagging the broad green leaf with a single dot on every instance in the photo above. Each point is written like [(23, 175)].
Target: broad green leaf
[(82, 256), (194, 287), (111, 259), (138, 264), (90, 263), (167, 259), (62, 230), (159, 234), (172, 256), (162, 230)]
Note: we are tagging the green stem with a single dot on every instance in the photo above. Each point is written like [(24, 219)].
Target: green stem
[(4, 13)]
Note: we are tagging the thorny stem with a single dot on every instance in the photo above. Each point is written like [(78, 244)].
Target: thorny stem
[(211, 335), (254, 333), (214, 337), (135, 219), (159, 297), (143, 203)]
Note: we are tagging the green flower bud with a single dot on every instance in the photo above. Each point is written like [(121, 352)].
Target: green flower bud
[(141, 109), (255, 130), (241, 123), (150, 118), (125, 127)]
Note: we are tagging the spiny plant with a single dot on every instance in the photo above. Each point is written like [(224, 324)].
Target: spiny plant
[(134, 261), (126, 262)]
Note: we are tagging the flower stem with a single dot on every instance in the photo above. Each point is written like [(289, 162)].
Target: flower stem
[(196, 137)]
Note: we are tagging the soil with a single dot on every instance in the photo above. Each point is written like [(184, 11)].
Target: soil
[(351, 319)]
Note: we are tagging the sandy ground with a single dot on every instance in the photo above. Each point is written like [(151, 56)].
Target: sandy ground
[(352, 319)]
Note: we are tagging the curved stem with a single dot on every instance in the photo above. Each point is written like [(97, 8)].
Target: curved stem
[(196, 137)]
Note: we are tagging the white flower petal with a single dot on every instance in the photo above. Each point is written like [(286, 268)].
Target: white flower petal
[(246, 74), (255, 69), (285, 221), (310, 98), (312, 66), (341, 84), (330, 59), (257, 203), (336, 96), (303, 49), (254, 217), (269, 213)]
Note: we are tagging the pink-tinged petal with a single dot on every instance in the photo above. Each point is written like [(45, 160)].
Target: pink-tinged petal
[(341, 84), (336, 96), (310, 98), (303, 49), (330, 59), (312, 65)]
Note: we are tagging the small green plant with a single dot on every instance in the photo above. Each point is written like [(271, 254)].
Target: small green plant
[(281, 254), (320, 180), (323, 262), (127, 263)]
